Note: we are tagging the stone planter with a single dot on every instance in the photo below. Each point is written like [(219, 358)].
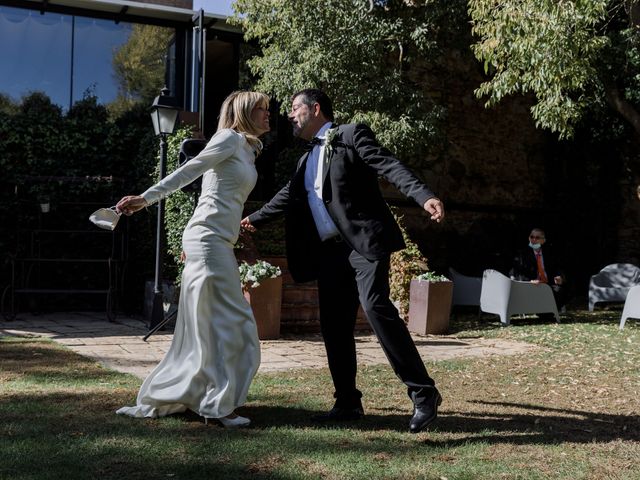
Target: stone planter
[(266, 302), (429, 307)]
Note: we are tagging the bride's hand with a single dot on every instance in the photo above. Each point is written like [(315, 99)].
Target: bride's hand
[(130, 204)]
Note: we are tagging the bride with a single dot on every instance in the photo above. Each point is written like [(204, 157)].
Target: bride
[(215, 350)]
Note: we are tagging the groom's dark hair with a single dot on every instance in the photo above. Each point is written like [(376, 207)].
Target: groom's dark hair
[(314, 95)]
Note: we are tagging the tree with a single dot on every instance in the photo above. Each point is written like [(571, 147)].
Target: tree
[(361, 52), (577, 57), (139, 66)]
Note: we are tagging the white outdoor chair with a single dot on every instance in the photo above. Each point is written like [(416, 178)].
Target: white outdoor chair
[(466, 290), (612, 283), (631, 305), (505, 297)]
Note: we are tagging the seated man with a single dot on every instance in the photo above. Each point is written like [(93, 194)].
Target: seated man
[(538, 264)]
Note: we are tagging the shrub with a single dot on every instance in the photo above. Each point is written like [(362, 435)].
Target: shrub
[(405, 265), (179, 205)]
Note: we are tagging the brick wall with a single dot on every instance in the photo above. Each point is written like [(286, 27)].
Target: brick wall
[(490, 174), (499, 176)]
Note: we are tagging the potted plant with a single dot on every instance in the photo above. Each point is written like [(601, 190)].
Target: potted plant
[(405, 265), (430, 304), (262, 286), (42, 194)]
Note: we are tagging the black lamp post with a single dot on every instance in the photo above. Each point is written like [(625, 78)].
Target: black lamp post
[(164, 115)]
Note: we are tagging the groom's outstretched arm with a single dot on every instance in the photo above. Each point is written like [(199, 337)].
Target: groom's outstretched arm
[(269, 211)]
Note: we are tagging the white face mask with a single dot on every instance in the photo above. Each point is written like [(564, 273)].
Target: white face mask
[(535, 246), (106, 218)]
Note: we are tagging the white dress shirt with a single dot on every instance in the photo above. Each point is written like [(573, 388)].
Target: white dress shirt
[(313, 183)]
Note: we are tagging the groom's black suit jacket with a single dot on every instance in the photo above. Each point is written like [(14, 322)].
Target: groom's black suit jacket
[(352, 197)]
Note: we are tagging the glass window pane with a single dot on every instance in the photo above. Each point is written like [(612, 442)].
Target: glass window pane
[(95, 42), (36, 53), (67, 57)]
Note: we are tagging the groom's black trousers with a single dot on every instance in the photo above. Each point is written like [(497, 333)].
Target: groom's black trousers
[(345, 280)]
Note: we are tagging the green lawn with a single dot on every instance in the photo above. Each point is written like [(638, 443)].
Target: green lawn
[(571, 410)]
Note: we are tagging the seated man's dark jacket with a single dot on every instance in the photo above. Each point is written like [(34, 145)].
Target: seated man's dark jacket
[(525, 266)]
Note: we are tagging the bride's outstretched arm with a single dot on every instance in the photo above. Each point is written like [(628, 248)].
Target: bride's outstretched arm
[(130, 204)]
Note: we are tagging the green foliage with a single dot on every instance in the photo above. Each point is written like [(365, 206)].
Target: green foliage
[(359, 52), (575, 57), (7, 106), (268, 240), (79, 158), (32, 139), (399, 133), (179, 205), (406, 265), (91, 139), (39, 143)]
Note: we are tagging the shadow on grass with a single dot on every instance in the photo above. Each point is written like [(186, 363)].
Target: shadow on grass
[(76, 434), (68, 415), (534, 425)]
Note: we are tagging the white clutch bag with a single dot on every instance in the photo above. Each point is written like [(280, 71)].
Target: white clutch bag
[(106, 218)]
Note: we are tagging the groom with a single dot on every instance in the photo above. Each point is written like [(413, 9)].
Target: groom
[(340, 232)]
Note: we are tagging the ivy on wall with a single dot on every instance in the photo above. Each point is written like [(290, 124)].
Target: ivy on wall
[(179, 205), (77, 160)]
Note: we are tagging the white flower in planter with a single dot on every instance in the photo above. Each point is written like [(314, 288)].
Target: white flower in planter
[(432, 277), (252, 275)]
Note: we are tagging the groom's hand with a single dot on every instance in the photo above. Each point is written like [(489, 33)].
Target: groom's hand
[(435, 208), (245, 224)]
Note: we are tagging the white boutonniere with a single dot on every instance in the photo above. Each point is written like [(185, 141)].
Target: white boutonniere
[(329, 140)]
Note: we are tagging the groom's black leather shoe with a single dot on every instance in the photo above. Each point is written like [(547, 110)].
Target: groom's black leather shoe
[(425, 413), (339, 414)]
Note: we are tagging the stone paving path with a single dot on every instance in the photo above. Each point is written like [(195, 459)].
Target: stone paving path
[(119, 345)]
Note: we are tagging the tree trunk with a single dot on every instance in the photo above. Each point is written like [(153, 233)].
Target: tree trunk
[(623, 107), (631, 115), (633, 9)]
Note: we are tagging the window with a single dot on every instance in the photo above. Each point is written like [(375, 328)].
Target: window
[(61, 55)]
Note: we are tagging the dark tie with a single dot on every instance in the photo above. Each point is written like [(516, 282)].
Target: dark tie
[(312, 143)]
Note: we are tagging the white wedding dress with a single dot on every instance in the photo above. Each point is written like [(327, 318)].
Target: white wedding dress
[(215, 351)]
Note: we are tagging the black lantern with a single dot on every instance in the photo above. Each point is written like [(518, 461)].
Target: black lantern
[(164, 115)]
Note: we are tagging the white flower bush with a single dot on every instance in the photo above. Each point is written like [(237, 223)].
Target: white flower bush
[(252, 275)]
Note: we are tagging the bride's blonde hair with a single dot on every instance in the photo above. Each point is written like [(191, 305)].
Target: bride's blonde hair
[(235, 113)]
